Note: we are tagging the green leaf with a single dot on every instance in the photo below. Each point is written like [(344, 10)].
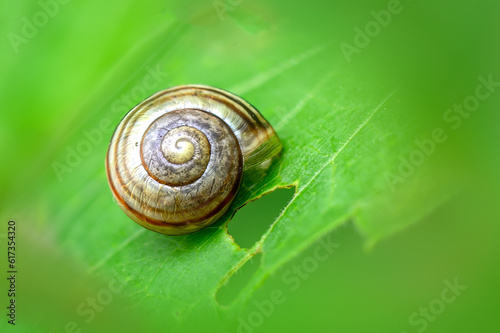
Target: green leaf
[(348, 127)]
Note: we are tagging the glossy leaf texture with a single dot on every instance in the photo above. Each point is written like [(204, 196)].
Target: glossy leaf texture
[(361, 117)]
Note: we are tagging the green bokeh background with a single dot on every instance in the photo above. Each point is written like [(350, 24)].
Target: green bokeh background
[(84, 65)]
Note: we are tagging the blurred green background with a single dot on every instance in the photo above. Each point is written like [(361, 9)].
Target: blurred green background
[(70, 67)]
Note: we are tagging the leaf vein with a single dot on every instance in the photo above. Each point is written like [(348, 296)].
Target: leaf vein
[(320, 170)]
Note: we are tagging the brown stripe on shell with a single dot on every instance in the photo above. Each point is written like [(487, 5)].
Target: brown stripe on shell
[(129, 187), (122, 181)]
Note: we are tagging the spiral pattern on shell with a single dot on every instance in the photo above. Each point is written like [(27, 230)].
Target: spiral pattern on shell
[(176, 161)]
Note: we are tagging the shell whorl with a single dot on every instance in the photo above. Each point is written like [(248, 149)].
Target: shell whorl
[(176, 161)]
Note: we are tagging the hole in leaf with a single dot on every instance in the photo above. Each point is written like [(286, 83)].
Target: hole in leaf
[(229, 291), (250, 222)]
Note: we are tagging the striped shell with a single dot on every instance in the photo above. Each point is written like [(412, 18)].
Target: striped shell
[(176, 161)]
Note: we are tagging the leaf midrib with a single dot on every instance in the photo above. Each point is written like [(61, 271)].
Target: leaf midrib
[(256, 248)]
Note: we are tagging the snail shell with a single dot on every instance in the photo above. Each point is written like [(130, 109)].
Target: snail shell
[(176, 161)]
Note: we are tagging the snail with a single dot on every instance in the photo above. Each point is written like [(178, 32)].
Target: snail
[(176, 161)]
